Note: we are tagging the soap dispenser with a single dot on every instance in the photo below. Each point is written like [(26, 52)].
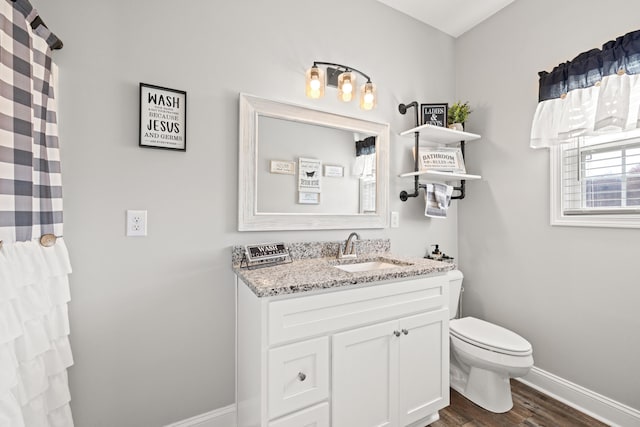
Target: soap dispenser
[(439, 256), (436, 254)]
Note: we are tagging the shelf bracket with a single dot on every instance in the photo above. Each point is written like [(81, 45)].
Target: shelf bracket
[(404, 196), (461, 187)]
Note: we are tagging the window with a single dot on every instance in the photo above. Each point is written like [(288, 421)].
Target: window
[(596, 181)]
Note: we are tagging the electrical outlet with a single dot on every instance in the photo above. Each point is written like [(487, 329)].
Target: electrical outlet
[(395, 219), (136, 223)]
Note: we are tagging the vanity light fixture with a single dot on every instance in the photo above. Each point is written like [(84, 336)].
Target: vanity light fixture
[(342, 77)]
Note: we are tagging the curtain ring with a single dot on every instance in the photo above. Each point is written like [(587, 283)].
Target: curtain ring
[(621, 72), (48, 240), (598, 83), (563, 96)]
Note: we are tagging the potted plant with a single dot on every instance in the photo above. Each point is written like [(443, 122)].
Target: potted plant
[(458, 114)]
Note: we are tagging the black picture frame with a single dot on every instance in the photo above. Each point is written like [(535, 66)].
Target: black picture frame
[(434, 114), (163, 118)]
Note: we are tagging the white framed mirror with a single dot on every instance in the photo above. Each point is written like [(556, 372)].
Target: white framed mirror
[(305, 169)]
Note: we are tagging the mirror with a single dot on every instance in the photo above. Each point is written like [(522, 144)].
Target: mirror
[(304, 169)]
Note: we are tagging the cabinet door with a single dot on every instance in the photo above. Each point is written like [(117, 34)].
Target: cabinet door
[(364, 386), (424, 365)]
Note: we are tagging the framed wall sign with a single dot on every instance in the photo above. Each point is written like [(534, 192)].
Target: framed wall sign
[(308, 198), (163, 118), (444, 159), (333, 171), (309, 175), (283, 167), (434, 114)]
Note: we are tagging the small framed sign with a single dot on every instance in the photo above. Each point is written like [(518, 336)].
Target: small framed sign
[(309, 175), (283, 167), (265, 251), (308, 198), (333, 171), (265, 254), (434, 114), (443, 159), (163, 118)]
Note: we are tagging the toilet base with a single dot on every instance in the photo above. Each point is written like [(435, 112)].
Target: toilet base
[(487, 389)]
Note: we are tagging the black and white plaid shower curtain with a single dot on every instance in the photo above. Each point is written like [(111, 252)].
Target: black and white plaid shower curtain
[(30, 180), (34, 286)]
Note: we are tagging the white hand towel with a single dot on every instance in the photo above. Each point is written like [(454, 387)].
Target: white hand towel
[(437, 199)]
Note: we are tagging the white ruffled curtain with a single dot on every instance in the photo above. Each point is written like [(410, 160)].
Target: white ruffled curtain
[(596, 93), (34, 286), (34, 328)]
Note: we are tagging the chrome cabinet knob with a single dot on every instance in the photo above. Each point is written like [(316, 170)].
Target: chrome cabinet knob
[(404, 331), (396, 333), (302, 376)]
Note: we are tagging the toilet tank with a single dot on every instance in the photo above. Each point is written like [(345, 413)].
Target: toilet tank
[(455, 285)]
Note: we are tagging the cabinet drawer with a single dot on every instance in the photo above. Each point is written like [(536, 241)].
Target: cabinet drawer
[(317, 416), (300, 317), (298, 376)]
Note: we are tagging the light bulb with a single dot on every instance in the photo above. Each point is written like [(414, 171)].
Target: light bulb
[(368, 96), (346, 81), (314, 83)]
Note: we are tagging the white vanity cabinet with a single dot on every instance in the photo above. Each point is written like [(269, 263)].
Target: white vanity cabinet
[(365, 356), (390, 374)]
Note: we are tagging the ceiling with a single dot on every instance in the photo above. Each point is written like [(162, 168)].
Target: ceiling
[(454, 17)]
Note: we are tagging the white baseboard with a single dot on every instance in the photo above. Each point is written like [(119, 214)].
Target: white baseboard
[(221, 417), (591, 403)]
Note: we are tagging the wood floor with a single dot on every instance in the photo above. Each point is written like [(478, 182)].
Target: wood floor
[(530, 409)]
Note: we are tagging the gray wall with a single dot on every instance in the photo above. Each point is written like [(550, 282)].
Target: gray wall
[(572, 292), (152, 319)]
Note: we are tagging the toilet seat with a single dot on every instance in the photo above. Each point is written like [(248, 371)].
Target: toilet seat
[(489, 336)]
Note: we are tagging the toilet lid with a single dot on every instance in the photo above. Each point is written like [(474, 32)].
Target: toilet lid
[(487, 335)]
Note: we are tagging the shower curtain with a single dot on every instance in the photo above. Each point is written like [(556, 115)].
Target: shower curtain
[(34, 263)]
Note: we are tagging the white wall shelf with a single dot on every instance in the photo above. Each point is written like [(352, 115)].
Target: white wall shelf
[(440, 135), (435, 135)]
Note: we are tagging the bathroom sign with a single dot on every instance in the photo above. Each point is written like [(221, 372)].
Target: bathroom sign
[(445, 159), (163, 118), (434, 114), (265, 255), (309, 175), (283, 167), (266, 251)]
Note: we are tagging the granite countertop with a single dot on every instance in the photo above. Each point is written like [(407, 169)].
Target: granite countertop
[(313, 273)]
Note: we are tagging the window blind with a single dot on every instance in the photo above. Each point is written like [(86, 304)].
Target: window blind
[(600, 178)]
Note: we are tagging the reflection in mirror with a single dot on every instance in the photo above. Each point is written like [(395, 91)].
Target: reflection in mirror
[(345, 171), (307, 169)]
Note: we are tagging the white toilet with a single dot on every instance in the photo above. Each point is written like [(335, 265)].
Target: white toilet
[(484, 356)]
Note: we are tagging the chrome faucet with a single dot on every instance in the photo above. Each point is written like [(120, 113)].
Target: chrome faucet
[(349, 247)]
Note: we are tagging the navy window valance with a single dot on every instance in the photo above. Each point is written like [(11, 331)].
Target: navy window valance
[(596, 92), (619, 56), (366, 146)]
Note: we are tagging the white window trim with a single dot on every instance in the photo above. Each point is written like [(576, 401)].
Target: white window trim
[(559, 218)]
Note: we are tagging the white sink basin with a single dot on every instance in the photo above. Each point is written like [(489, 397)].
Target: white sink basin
[(367, 266)]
